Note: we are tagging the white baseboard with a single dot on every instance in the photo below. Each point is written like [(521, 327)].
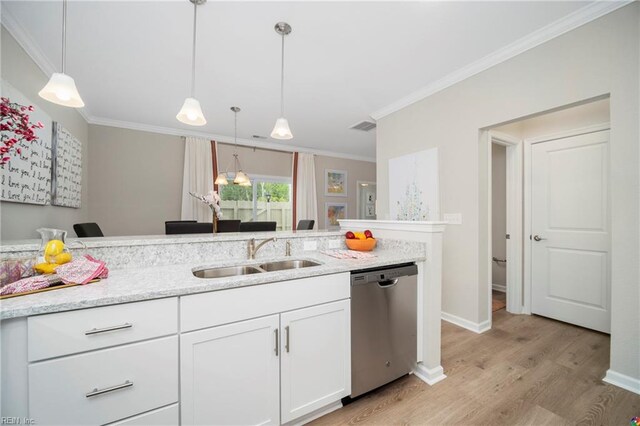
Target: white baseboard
[(622, 381), (430, 376), (476, 327), (499, 287)]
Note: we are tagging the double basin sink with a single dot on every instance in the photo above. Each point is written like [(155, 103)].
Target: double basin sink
[(233, 271)]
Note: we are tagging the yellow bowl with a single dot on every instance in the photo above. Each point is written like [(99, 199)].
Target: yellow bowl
[(361, 245)]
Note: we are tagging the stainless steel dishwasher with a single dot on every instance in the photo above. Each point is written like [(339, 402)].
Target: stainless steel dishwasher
[(383, 326)]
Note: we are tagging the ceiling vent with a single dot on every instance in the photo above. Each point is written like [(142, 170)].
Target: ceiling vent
[(258, 137), (365, 126)]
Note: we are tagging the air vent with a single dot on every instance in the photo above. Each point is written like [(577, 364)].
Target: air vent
[(365, 126), (258, 137)]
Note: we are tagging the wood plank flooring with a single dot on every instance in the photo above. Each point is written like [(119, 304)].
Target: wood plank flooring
[(527, 370)]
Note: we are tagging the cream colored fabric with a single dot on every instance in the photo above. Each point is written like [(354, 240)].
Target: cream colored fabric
[(197, 178), (307, 201)]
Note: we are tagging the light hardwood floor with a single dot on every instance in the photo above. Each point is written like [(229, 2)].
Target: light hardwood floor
[(526, 370)]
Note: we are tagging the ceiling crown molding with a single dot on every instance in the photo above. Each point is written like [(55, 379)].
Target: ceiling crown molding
[(223, 138), (570, 22), (27, 43)]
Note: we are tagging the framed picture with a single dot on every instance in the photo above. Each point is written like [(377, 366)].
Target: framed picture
[(371, 210), (335, 183), (333, 213)]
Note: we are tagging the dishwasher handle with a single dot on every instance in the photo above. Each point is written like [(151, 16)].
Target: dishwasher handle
[(388, 283)]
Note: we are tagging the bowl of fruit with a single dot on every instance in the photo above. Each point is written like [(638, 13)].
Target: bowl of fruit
[(360, 241)]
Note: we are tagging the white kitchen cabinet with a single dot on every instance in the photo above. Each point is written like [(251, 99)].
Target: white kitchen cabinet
[(315, 364), (230, 374)]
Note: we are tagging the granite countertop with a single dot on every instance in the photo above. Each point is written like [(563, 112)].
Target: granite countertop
[(136, 284)]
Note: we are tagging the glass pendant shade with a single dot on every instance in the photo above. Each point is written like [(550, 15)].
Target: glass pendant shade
[(221, 179), (191, 113), (242, 179), (61, 90), (281, 129)]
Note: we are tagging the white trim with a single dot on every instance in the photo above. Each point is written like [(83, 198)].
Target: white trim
[(499, 287), (395, 225), (223, 139), (569, 133), (476, 327), (514, 201), (563, 25), (430, 376), (622, 381)]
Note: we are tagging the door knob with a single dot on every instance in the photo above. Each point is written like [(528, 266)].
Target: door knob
[(538, 238)]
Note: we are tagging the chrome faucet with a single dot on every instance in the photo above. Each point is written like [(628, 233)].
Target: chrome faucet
[(287, 251), (253, 249)]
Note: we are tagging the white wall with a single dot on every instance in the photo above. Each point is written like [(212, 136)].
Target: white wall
[(499, 212), (600, 58), (19, 221)]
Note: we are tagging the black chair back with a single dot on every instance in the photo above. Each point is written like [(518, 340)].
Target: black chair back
[(305, 224), (194, 227), (228, 225), (257, 226), (87, 230)]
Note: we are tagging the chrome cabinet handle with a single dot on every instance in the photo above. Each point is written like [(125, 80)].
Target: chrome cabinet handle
[(96, 391), (286, 342), (106, 329), (277, 342), (538, 238)]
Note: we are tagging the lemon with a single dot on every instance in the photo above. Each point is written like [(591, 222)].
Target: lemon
[(63, 258), (52, 249), (45, 268)]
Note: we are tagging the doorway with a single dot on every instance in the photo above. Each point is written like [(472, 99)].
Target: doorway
[(499, 233), (366, 200)]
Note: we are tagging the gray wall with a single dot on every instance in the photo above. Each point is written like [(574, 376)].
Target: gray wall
[(356, 170), (596, 59), (256, 161), (137, 180), (19, 221)]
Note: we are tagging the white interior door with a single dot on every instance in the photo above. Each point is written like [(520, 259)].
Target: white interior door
[(570, 272)]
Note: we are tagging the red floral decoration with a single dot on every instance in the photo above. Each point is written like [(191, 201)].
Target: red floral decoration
[(15, 128)]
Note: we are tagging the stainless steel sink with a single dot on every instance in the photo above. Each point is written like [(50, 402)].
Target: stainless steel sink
[(287, 264), (229, 271)]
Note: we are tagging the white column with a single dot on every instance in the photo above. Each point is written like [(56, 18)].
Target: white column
[(429, 368)]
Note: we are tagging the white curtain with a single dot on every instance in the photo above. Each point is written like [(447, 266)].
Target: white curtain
[(197, 178), (306, 199)]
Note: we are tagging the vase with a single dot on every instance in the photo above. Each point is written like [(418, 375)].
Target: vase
[(215, 224)]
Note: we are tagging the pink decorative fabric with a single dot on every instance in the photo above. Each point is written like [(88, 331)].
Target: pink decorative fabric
[(29, 284), (82, 270), (12, 270)]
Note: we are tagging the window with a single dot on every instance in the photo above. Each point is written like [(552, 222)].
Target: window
[(267, 199)]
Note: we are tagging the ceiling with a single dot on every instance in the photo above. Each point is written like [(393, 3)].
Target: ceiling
[(344, 60)]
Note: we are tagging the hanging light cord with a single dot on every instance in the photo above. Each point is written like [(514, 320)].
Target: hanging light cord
[(282, 80), (193, 53), (64, 35)]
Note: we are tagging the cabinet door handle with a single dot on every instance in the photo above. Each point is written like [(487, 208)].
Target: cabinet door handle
[(106, 329), (277, 342), (286, 342), (96, 391)]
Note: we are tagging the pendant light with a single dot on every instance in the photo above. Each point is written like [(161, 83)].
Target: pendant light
[(191, 112), (281, 129), (240, 177), (61, 89)]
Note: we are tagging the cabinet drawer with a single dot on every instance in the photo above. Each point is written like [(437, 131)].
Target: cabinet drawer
[(71, 332), (133, 379), (165, 416), (204, 310)]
